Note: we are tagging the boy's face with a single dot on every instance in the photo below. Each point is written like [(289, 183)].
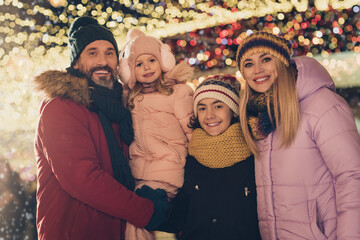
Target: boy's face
[(214, 116)]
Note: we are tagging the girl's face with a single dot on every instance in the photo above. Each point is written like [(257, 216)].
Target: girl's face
[(260, 71), (214, 116), (147, 68)]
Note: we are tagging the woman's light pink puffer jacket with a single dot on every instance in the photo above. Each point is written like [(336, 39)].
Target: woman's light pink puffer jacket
[(311, 190)]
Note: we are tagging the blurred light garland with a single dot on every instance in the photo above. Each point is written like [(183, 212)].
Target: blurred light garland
[(29, 24), (33, 38), (311, 33)]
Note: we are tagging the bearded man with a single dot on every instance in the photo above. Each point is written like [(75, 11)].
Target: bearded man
[(84, 183)]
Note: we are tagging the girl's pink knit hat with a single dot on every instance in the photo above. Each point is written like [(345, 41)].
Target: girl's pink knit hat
[(138, 44)]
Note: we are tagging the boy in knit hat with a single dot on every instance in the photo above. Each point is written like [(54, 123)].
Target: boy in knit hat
[(218, 199), (161, 106), (84, 185)]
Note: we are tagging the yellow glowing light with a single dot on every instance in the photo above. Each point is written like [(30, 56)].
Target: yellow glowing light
[(225, 52), (276, 30), (200, 56), (341, 20), (57, 3), (332, 45), (315, 40)]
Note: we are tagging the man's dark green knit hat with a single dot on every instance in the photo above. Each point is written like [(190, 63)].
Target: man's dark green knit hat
[(83, 31)]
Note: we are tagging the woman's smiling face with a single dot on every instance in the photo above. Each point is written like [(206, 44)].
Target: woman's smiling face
[(260, 71)]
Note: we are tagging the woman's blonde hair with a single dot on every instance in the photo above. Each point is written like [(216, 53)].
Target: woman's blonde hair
[(161, 86), (285, 106)]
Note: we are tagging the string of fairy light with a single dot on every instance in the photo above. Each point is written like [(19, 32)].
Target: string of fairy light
[(28, 25), (33, 39)]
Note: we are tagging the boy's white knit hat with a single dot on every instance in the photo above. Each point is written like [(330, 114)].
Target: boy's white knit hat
[(224, 87)]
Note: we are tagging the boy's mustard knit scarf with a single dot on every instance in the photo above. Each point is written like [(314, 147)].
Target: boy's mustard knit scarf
[(219, 151)]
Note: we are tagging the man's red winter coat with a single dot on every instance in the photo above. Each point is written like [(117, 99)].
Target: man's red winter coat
[(78, 198)]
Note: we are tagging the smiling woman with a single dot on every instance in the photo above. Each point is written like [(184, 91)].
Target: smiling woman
[(303, 134)]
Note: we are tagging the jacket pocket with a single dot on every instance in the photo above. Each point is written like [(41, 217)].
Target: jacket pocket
[(314, 220)]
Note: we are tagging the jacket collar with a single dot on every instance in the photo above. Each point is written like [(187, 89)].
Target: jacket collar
[(56, 83)]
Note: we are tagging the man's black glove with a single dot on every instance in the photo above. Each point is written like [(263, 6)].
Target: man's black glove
[(161, 205)]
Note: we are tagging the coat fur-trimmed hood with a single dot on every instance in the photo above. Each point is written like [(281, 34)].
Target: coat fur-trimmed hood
[(56, 83)]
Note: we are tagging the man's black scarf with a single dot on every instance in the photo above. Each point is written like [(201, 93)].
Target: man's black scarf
[(107, 104)]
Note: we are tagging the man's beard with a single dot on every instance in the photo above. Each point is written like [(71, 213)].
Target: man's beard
[(103, 81)]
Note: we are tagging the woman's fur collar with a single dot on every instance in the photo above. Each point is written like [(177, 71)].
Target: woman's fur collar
[(62, 84)]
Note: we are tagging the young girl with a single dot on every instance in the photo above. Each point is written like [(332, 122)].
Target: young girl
[(218, 199), (305, 140), (161, 106)]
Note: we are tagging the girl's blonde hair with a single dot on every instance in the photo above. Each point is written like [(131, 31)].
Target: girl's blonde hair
[(161, 86), (285, 104)]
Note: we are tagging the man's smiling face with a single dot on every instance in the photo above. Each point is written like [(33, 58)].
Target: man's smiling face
[(98, 61)]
